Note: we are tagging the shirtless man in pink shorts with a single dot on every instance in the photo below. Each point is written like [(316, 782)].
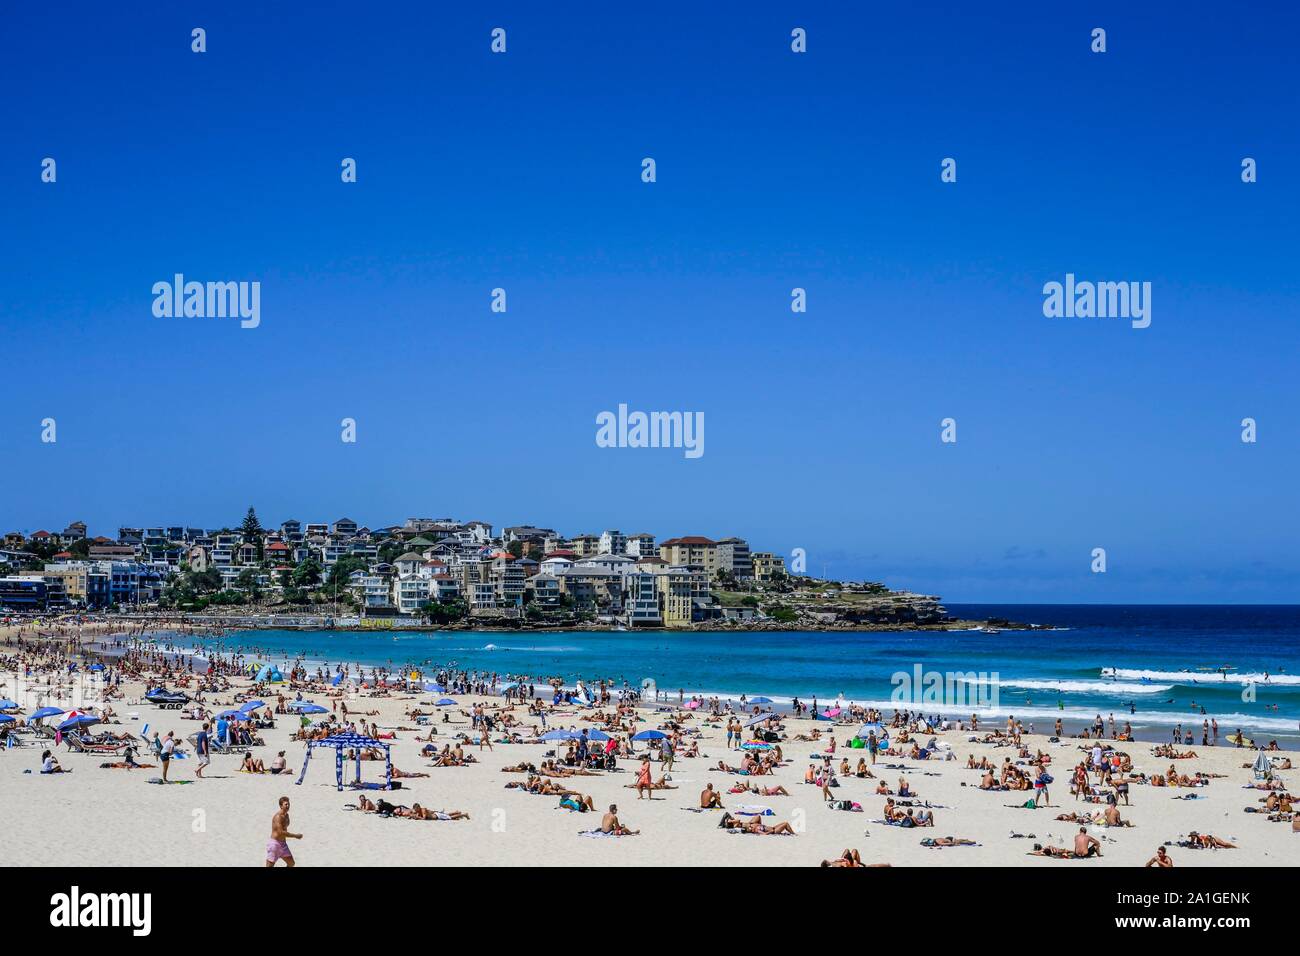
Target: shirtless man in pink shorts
[(277, 848)]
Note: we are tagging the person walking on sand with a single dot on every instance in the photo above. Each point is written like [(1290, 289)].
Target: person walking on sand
[(202, 748), (278, 846), (644, 781)]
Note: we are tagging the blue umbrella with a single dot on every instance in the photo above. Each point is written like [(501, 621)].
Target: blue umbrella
[(6, 719), (96, 667), (435, 688), (559, 735), (43, 713), (597, 735), (81, 720), (299, 704), (8, 704), (312, 709), (651, 735), (760, 700), (253, 705), (445, 702)]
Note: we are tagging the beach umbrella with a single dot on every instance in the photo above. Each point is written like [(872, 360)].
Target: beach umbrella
[(82, 720), (435, 688), (313, 709), (759, 700), (597, 735), (253, 705), (8, 704), (43, 713), (445, 702), (551, 735), (6, 719), (759, 718), (651, 735)]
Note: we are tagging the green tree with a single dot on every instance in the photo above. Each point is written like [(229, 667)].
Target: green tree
[(516, 549), (307, 574), (252, 532), (343, 567)]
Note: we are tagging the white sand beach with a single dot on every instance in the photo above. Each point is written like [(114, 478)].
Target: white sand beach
[(111, 817)]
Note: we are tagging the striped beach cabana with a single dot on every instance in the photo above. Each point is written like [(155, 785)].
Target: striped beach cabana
[(356, 742)]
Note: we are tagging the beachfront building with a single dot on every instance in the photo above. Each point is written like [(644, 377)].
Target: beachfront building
[(734, 557), (768, 566), (507, 580), (481, 596), (613, 542), (545, 589), (606, 562), (444, 588), (31, 592), (680, 588), (641, 598), (584, 545), (410, 593), (641, 546), (694, 551)]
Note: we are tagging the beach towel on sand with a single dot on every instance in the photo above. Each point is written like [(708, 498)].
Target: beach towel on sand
[(754, 810), (598, 835)]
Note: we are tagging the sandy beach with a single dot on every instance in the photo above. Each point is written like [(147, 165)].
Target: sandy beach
[(109, 817)]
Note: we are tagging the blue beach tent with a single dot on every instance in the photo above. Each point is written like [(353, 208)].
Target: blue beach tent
[(356, 743), (270, 673)]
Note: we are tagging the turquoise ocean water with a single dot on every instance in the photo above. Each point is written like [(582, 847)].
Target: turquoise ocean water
[(1156, 666)]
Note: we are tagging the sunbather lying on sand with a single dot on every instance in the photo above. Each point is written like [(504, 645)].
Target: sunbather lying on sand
[(741, 787), (417, 812), (123, 765), (849, 858), (947, 841), (754, 825), (1204, 841)]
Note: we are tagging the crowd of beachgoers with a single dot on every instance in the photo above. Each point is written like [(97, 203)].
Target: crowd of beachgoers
[(448, 745)]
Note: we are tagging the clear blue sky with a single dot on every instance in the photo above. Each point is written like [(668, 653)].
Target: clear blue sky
[(775, 170)]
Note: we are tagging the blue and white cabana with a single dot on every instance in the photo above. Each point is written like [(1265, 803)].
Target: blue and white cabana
[(357, 742)]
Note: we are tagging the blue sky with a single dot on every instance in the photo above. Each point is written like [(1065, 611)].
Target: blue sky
[(775, 170)]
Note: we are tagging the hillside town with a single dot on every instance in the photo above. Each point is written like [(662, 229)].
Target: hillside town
[(439, 572)]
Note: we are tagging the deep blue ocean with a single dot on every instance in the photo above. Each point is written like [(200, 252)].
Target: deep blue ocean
[(1156, 666)]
